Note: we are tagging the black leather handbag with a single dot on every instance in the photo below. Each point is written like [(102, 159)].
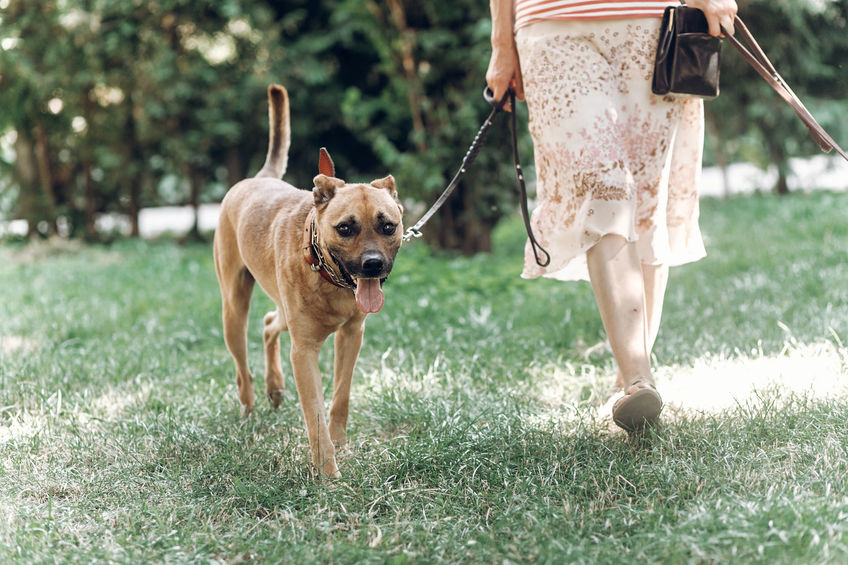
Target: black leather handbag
[(687, 61)]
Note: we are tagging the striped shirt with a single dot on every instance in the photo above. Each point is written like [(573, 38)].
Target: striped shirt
[(529, 11)]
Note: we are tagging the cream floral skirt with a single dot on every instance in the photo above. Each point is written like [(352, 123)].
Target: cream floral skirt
[(611, 156)]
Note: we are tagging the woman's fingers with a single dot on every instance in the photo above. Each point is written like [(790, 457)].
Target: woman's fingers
[(518, 85), (727, 25), (720, 14), (503, 72)]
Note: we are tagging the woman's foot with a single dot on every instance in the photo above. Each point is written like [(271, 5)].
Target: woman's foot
[(640, 405)]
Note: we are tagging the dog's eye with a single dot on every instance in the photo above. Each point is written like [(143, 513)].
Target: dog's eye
[(344, 230), (389, 228)]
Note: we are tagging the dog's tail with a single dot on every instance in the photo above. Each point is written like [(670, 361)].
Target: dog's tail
[(279, 137)]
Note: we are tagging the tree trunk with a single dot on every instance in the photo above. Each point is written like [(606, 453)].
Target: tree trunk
[(26, 173), (42, 156), (781, 161), (90, 205), (720, 154), (134, 209), (409, 69), (782, 187), (134, 155), (725, 175), (45, 178), (89, 194), (195, 180)]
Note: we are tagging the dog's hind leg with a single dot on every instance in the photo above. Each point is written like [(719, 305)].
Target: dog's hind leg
[(275, 322), (347, 346), (236, 307)]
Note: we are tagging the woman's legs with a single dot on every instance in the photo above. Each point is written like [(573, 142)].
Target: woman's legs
[(655, 279), (616, 276), (619, 284)]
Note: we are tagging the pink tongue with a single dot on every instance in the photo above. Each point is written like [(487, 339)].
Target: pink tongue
[(369, 295)]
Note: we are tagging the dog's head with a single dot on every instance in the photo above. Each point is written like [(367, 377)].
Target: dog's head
[(360, 227)]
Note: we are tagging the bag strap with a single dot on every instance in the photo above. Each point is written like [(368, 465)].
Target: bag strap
[(758, 59)]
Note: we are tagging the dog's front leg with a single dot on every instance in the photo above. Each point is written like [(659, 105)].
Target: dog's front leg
[(348, 344), (304, 359)]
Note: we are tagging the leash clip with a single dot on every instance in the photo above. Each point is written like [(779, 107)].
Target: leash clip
[(411, 233)]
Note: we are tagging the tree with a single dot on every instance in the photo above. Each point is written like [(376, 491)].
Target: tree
[(25, 94), (110, 99), (119, 105)]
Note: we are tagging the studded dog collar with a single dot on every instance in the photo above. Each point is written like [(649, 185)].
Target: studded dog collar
[(315, 256)]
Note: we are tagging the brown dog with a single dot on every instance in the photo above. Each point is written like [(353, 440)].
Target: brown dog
[(321, 256)]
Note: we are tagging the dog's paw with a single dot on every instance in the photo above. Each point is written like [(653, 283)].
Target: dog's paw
[(332, 472), (339, 437), (246, 410), (325, 468), (275, 397)]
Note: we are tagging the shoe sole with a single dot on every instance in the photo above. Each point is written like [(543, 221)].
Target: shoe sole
[(636, 410)]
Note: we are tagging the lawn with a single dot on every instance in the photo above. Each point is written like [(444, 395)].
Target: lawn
[(474, 435)]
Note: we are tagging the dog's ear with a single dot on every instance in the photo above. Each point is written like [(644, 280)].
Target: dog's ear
[(388, 183), (325, 163), (325, 188)]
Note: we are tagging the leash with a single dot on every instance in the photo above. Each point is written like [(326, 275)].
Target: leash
[(542, 260)]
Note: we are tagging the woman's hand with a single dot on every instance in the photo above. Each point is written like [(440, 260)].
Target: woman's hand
[(504, 69), (504, 72), (720, 14)]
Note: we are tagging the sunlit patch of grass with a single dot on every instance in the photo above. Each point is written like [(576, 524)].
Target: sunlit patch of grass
[(714, 384), (15, 344)]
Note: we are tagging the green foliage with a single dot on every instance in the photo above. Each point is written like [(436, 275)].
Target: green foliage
[(394, 88), (397, 88)]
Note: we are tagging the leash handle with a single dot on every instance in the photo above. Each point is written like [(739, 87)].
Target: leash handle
[(544, 259), (489, 97)]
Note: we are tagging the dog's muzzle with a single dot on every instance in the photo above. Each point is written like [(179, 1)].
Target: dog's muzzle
[(373, 265)]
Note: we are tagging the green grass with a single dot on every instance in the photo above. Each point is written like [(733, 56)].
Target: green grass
[(473, 429)]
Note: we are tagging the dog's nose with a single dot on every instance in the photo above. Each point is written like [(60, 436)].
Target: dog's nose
[(372, 265)]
